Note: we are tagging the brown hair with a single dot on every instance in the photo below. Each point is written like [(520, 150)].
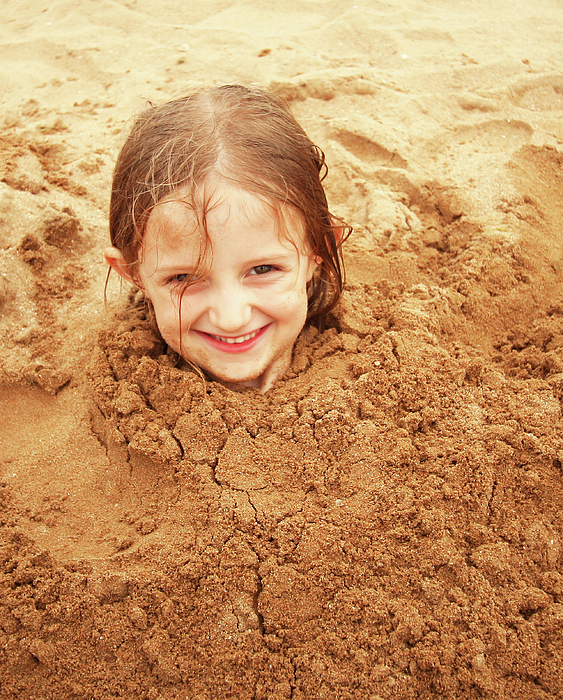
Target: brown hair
[(245, 135)]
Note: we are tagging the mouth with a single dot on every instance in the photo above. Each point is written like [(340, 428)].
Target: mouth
[(234, 344), (236, 341)]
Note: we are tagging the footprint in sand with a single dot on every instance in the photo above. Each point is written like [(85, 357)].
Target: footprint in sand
[(476, 154), (494, 136), (325, 84), (367, 143), (539, 94), (467, 149)]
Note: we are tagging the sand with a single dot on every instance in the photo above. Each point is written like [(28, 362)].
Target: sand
[(386, 523)]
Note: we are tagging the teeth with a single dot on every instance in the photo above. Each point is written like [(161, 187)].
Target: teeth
[(234, 341)]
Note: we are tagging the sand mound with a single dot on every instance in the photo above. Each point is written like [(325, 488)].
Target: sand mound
[(387, 521)]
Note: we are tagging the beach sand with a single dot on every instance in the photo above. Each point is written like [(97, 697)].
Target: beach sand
[(387, 522)]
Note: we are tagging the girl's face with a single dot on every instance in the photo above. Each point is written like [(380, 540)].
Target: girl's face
[(240, 319)]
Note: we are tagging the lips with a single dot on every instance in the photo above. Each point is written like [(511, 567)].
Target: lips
[(236, 341), (229, 344)]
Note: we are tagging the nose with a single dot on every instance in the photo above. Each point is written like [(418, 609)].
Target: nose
[(230, 308)]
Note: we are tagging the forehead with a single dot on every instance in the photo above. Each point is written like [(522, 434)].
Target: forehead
[(219, 212)]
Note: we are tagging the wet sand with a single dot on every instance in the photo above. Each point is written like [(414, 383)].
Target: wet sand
[(387, 521)]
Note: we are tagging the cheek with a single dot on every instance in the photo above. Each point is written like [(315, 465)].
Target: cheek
[(167, 315), (167, 305), (293, 308)]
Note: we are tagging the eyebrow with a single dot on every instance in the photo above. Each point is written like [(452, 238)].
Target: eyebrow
[(170, 269), (261, 260), (275, 257)]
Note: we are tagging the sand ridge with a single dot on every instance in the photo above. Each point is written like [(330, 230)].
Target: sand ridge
[(386, 522)]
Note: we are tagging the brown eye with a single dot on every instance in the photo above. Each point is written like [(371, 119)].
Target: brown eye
[(262, 269), (183, 277)]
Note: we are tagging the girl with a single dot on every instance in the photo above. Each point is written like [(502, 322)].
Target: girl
[(219, 216)]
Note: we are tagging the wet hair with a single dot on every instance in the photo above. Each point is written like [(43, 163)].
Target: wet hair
[(246, 136)]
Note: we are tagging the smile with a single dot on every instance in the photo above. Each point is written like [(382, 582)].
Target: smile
[(238, 344), (234, 341)]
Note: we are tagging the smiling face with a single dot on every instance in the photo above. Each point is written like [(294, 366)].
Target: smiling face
[(239, 320)]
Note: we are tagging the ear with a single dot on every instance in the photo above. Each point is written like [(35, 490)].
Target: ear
[(313, 263), (114, 258)]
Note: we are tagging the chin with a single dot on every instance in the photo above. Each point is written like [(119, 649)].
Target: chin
[(248, 378), (262, 375)]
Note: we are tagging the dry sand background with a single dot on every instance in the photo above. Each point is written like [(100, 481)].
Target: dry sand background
[(387, 523)]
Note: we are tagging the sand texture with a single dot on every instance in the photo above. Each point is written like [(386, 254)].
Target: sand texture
[(387, 522)]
